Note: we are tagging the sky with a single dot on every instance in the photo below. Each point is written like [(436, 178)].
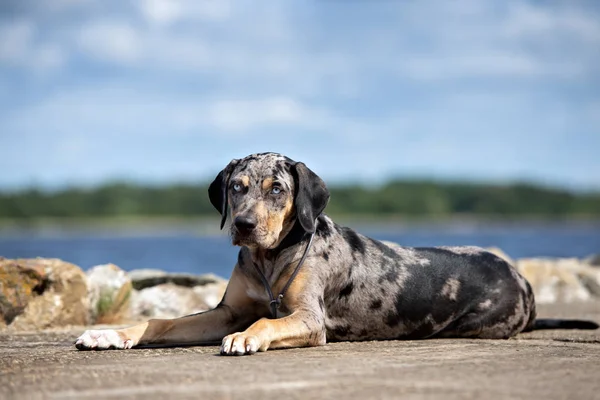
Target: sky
[(161, 91)]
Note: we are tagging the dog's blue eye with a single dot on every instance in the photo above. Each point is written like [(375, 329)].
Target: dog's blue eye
[(276, 190), (237, 187)]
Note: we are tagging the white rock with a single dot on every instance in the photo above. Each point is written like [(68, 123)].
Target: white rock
[(109, 292), (559, 280), (212, 293), (166, 301)]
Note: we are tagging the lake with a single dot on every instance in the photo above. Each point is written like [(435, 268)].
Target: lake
[(185, 251)]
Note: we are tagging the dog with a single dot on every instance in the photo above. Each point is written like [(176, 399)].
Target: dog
[(333, 284)]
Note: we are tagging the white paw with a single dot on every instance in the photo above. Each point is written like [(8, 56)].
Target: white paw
[(101, 340), (239, 344)]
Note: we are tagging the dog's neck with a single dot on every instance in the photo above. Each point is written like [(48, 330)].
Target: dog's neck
[(295, 235), (292, 235)]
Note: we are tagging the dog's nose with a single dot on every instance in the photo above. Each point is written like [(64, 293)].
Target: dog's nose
[(245, 223)]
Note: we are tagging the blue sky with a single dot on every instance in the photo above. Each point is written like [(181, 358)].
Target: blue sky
[(169, 90)]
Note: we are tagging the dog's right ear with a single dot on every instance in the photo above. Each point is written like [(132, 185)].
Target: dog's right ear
[(218, 189)]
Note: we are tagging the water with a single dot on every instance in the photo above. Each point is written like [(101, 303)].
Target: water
[(186, 252)]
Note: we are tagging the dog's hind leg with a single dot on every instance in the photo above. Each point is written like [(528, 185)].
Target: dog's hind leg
[(501, 322)]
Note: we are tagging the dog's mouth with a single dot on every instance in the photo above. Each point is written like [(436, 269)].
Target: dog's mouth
[(249, 238)]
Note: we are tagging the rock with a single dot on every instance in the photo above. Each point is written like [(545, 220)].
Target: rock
[(19, 283), (212, 293), (390, 244), (560, 280), (140, 275), (497, 251), (145, 278), (593, 260), (592, 284), (159, 294), (42, 293), (166, 300), (109, 293)]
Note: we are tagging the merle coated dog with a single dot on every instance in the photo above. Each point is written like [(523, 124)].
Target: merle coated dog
[(333, 284)]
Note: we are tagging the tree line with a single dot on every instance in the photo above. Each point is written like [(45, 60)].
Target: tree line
[(419, 198)]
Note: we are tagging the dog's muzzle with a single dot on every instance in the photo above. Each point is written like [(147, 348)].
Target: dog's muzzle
[(245, 224), (244, 230)]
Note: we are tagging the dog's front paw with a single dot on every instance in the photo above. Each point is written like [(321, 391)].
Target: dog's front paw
[(239, 344), (102, 340)]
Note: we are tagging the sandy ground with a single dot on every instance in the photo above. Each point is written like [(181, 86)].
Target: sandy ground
[(539, 365)]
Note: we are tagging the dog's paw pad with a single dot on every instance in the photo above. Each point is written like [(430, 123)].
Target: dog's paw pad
[(102, 340)]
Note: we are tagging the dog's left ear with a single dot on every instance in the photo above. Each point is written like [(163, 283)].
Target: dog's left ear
[(218, 189), (311, 197)]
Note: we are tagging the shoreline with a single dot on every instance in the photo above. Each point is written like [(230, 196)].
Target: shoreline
[(205, 226)]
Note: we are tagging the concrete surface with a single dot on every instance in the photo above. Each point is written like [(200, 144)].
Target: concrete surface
[(540, 365)]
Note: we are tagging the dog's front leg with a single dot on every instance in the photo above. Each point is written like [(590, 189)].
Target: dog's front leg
[(209, 326), (300, 329), (235, 312), (305, 326)]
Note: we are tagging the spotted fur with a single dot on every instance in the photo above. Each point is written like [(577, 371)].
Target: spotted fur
[(375, 290), (351, 287)]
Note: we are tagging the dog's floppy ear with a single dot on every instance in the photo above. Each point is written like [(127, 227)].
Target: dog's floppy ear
[(218, 189), (311, 196)]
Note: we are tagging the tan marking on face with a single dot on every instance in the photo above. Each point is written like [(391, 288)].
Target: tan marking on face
[(279, 223), (450, 289), (261, 212), (245, 180), (267, 183), (275, 222), (289, 207)]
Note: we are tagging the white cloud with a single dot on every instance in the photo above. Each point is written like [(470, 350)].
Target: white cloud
[(372, 84), (244, 115), (161, 12), (115, 110), (111, 40), (526, 20), (439, 41), (61, 5), (494, 64), (492, 39), (119, 130), (49, 56), (20, 48), (167, 12), (17, 38)]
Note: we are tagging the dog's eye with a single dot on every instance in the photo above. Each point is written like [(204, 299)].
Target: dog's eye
[(237, 187), (276, 190)]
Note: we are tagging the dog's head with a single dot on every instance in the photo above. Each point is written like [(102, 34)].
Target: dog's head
[(267, 193)]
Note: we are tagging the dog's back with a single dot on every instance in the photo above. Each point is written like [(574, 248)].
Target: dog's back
[(375, 290)]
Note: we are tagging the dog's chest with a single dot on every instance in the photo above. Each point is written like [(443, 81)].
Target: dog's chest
[(258, 293)]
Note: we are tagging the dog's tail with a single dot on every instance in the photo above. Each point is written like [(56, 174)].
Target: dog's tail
[(554, 323)]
